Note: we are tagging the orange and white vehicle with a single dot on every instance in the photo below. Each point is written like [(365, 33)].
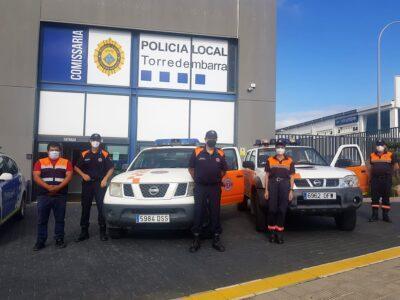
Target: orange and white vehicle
[(156, 191), (320, 188)]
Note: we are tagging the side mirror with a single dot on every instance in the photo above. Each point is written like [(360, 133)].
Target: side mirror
[(6, 177), (343, 163), (125, 167), (249, 165)]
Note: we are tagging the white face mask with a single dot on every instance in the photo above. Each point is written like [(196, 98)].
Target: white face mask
[(54, 155), (95, 144), (380, 148), (280, 151)]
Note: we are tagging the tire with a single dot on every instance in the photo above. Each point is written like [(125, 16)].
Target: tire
[(347, 220), (115, 232), (21, 211), (242, 206), (261, 224)]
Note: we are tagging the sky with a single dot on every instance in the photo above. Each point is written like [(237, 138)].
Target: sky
[(326, 56)]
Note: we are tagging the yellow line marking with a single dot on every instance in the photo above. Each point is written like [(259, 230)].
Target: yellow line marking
[(268, 284)]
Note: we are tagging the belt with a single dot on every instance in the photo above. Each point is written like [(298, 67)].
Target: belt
[(278, 179)]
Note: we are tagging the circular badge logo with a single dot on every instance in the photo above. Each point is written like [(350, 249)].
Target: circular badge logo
[(100, 159), (217, 159), (109, 57), (228, 184)]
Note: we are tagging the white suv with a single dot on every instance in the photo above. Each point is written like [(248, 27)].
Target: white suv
[(156, 192)]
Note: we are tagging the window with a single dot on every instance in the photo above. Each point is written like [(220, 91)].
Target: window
[(163, 158), (349, 157), (253, 156), (231, 159), (300, 155), (247, 158), (12, 166), (3, 165)]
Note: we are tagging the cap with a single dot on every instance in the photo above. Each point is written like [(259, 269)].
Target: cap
[(380, 142), (211, 134), (280, 142), (95, 137)]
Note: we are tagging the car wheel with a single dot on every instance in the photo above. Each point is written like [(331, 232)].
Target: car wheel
[(21, 211), (259, 211), (347, 220), (242, 206), (115, 232)]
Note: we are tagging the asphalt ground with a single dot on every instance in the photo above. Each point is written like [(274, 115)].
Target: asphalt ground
[(157, 265)]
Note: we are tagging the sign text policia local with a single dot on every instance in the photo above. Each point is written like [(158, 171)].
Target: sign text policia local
[(183, 63), (76, 54)]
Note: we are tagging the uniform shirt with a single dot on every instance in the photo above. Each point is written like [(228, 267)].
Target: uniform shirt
[(52, 174), (382, 164), (207, 167), (96, 165), (281, 169)]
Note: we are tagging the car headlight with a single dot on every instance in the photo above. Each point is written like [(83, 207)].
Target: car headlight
[(190, 190), (349, 181), (115, 189)]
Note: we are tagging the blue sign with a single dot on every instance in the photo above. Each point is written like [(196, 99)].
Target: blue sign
[(346, 120), (64, 54)]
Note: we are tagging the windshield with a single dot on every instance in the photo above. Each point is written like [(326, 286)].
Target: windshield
[(301, 156), (162, 158)]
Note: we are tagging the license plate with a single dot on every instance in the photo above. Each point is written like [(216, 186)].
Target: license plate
[(319, 195), (152, 219)]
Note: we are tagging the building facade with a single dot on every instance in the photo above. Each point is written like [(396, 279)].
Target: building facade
[(352, 121), (134, 71)]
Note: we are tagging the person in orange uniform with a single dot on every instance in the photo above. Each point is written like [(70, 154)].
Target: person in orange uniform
[(279, 181), (95, 167), (383, 163), (207, 166), (52, 175)]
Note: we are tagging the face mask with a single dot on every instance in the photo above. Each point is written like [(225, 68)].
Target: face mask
[(211, 143), (280, 151), (95, 144), (54, 155), (380, 148)]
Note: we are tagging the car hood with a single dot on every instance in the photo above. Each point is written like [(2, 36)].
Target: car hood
[(307, 171), (154, 176)]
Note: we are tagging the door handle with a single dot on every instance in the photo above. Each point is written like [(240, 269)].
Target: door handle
[(239, 176), (363, 171)]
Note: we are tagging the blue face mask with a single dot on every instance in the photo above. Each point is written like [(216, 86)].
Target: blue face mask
[(211, 143)]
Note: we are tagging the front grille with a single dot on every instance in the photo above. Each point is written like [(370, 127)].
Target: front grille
[(301, 183), (153, 190), (128, 192), (333, 182), (181, 189)]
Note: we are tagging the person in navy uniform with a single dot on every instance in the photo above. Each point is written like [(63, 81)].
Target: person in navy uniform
[(383, 164), (95, 167), (207, 166), (279, 181), (52, 175)]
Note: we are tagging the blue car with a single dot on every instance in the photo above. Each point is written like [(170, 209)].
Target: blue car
[(13, 192)]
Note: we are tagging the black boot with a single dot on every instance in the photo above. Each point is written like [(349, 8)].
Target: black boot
[(103, 234), (217, 245), (374, 216), (279, 238), (385, 216), (60, 244), (195, 244), (39, 246), (84, 235), (272, 236)]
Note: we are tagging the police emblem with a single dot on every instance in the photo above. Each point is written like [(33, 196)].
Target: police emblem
[(109, 57), (228, 184)]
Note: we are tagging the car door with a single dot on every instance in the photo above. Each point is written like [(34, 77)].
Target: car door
[(233, 189), (11, 189), (351, 158)]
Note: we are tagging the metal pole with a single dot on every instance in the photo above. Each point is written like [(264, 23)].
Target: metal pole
[(378, 92)]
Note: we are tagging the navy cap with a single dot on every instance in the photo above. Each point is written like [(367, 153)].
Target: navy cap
[(211, 134), (280, 143), (95, 137), (380, 142)]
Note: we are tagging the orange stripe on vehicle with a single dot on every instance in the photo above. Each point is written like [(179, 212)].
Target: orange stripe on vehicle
[(385, 206), (296, 176)]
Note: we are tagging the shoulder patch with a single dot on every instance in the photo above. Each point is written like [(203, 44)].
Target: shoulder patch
[(105, 153), (221, 152), (84, 153), (198, 150)]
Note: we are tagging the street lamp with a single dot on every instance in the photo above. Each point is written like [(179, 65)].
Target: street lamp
[(378, 94)]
